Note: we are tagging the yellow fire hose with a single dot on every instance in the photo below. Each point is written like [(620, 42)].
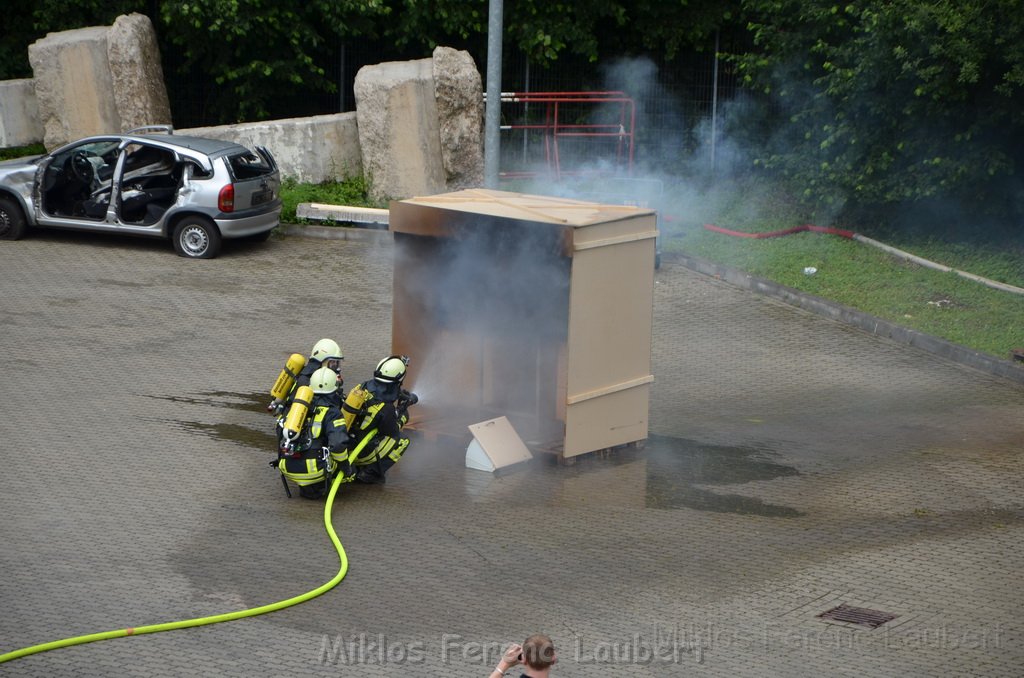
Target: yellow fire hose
[(203, 621)]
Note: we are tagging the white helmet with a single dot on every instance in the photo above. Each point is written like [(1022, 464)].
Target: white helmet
[(391, 370), (324, 380), (326, 349)]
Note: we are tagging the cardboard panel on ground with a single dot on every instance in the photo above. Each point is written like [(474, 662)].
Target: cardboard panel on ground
[(495, 446), (531, 307)]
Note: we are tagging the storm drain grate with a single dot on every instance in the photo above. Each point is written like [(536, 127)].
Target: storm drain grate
[(857, 615)]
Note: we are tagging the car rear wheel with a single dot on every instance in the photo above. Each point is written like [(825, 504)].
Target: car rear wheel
[(196, 238), (12, 220)]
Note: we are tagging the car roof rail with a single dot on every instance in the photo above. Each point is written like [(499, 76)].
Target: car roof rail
[(149, 129)]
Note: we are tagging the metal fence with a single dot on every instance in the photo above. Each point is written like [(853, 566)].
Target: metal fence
[(678, 106)]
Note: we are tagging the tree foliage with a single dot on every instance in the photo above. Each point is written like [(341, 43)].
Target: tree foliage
[(895, 101), (253, 50), (26, 22)]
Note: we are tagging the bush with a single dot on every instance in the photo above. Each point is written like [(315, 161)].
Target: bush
[(351, 191)]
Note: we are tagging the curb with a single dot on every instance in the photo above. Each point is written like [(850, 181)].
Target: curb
[(334, 232), (849, 316)]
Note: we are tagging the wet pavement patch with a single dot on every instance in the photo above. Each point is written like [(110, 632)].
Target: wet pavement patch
[(247, 402), (235, 433), (676, 467), (250, 402), (121, 283)]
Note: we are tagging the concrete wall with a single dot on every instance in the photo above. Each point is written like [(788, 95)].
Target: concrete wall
[(309, 150), (19, 114)]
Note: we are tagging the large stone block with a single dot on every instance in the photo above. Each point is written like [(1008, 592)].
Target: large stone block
[(398, 129), (74, 89), (421, 125), (19, 114), (98, 80), (458, 89), (309, 150), (138, 78)]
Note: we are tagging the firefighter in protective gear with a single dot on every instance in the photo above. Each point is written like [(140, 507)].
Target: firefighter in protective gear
[(325, 353), (376, 411), (320, 451)]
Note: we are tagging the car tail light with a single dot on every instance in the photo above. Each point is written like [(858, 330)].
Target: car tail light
[(226, 198)]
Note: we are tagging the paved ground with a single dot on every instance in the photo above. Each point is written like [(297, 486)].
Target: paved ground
[(795, 464)]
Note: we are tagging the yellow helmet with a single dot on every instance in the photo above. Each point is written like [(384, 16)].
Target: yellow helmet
[(326, 349), (391, 370), (324, 380)]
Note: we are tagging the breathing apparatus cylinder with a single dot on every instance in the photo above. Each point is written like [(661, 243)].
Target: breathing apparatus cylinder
[(297, 414), (353, 406), (285, 380)]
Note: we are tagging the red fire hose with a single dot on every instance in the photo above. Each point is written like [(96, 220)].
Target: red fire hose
[(774, 234)]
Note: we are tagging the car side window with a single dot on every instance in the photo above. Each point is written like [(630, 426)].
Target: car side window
[(147, 166), (198, 172), (249, 165)]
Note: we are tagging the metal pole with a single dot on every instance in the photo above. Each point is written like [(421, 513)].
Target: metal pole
[(526, 109), (492, 118)]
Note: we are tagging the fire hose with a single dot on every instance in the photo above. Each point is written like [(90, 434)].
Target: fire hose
[(907, 256), (214, 619)]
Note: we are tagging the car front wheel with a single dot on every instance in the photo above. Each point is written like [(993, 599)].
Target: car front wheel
[(12, 220), (196, 238)]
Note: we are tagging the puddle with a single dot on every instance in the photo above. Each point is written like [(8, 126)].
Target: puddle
[(677, 472), (667, 473), (248, 402), (235, 433), (676, 467), (121, 283)]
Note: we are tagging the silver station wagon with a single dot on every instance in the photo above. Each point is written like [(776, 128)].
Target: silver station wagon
[(148, 182)]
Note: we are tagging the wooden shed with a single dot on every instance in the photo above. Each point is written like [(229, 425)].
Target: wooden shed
[(532, 307)]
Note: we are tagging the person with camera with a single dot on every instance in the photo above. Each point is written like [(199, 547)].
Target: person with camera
[(376, 411), (536, 654)]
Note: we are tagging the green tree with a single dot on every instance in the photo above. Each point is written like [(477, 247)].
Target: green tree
[(682, 26), (27, 22), (893, 102), (252, 51)]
